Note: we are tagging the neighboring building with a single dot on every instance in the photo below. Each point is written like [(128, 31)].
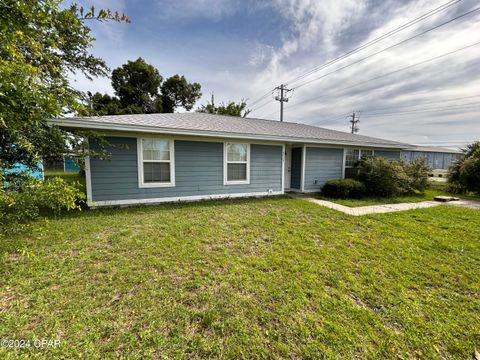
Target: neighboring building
[(193, 156), (438, 158), (62, 163), (36, 173)]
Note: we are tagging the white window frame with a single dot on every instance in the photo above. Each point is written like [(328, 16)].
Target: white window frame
[(359, 157), (141, 183), (226, 162)]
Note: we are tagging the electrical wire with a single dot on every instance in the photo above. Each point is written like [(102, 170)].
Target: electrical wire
[(376, 40)]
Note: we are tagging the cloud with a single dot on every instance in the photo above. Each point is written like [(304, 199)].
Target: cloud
[(320, 31)]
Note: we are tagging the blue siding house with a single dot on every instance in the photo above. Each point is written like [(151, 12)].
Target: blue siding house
[(193, 156)]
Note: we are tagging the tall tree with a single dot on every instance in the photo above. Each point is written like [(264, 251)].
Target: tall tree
[(40, 44), (177, 91), (230, 108), (139, 90), (137, 85)]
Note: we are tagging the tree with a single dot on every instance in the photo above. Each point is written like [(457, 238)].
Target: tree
[(139, 88), (464, 174), (231, 108), (176, 91), (40, 44), (137, 85)]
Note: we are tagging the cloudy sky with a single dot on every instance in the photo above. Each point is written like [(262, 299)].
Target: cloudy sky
[(424, 91)]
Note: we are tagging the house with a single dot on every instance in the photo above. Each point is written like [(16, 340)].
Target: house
[(192, 156), (438, 158)]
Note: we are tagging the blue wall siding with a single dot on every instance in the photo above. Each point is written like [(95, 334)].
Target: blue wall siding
[(388, 154), (296, 168), (436, 160), (322, 164), (198, 171)]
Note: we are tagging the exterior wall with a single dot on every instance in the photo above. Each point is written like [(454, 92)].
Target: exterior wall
[(296, 169), (436, 160), (388, 154), (198, 172), (321, 165)]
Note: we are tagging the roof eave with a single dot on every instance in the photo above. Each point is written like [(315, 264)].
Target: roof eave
[(85, 124)]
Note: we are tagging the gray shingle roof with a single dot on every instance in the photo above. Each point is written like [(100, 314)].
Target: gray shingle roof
[(213, 125)]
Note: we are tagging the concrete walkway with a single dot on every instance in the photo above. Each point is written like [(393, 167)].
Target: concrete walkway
[(374, 209), (471, 204)]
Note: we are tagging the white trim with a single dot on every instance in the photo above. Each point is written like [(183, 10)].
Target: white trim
[(141, 183), (343, 162), (182, 198), (226, 162), (87, 124), (302, 173), (283, 168), (88, 181)]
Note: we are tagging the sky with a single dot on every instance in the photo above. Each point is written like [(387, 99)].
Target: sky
[(423, 91)]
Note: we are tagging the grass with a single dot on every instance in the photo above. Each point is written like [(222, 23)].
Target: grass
[(264, 278), (68, 176), (435, 189)]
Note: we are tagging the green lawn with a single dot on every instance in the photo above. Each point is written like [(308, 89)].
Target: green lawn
[(261, 278), (68, 176)]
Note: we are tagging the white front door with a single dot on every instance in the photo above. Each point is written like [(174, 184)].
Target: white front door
[(287, 176)]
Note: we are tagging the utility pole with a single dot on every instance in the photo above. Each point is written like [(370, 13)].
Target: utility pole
[(213, 99), (282, 97), (354, 120)]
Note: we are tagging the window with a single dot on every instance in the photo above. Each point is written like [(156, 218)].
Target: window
[(352, 156), (236, 163), (156, 158)]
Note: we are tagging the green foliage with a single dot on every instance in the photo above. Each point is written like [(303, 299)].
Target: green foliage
[(464, 174), (137, 84), (176, 91), (388, 178), (41, 43), (418, 171), (343, 189), (231, 108), (139, 90), (28, 199)]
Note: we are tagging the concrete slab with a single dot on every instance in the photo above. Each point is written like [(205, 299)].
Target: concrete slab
[(374, 209)]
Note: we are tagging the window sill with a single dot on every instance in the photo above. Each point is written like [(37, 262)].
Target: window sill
[(156, 185), (243, 182)]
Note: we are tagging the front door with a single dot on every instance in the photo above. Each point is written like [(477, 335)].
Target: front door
[(288, 168)]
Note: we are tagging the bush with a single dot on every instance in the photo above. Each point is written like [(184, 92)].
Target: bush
[(464, 174), (418, 171), (392, 178), (28, 200), (343, 188)]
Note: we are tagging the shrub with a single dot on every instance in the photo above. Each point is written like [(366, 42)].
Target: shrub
[(343, 188), (28, 200), (418, 171), (464, 174), (391, 177)]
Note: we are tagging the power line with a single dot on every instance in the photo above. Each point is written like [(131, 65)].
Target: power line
[(422, 103), (389, 47), (438, 109), (389, 73), (261, 98), (376, 40)]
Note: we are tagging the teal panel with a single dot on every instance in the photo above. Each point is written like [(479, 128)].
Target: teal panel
[(321, 165), (198, 171)]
